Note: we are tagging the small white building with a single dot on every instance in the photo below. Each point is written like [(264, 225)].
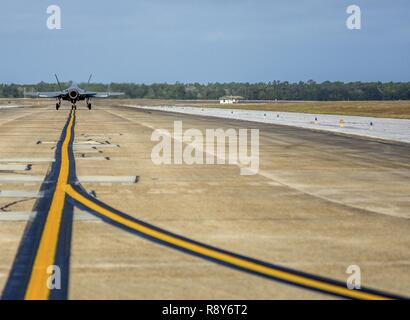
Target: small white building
[(230, 99)]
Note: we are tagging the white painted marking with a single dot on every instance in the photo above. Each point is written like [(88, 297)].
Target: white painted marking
[(79, 215), (14, 167), (20, 194), (17, 215), (101, 146), (9, 106), (27, 160), (91, 146), (108, 179), (18, 178), (92, 142), (92, 158), (86, 150)]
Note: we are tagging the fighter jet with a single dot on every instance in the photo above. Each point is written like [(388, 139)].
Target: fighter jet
[(73, 94)]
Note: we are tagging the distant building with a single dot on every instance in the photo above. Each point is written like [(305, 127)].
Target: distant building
[(230, 99)]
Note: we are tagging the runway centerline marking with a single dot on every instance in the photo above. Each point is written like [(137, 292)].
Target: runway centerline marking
[(37, 288), (45, 239), (68, 192)]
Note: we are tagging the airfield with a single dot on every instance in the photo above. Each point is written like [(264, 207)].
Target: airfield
[(320, 202)]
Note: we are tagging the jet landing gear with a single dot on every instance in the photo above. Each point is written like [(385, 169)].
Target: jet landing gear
[(88, 104), (58, 104), (73, 107)]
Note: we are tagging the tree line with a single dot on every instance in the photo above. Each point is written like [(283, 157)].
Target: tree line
[(280, 90)]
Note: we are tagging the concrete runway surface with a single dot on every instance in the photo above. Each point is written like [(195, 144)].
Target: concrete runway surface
[(320, 203)]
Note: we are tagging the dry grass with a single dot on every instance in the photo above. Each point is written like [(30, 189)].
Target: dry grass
[(379, 109)]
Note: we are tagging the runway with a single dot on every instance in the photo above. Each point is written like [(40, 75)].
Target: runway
[(122, 227)]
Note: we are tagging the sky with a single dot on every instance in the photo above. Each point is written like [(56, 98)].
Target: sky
[(150, 41)]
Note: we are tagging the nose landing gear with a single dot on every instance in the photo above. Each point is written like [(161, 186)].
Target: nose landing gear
[(58, 104), (88, 103)]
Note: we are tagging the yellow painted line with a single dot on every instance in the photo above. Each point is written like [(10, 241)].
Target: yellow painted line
[(224, 257), (37, 287)]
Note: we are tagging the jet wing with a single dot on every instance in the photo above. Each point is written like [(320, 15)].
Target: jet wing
[(89, 94), (51, 94)]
